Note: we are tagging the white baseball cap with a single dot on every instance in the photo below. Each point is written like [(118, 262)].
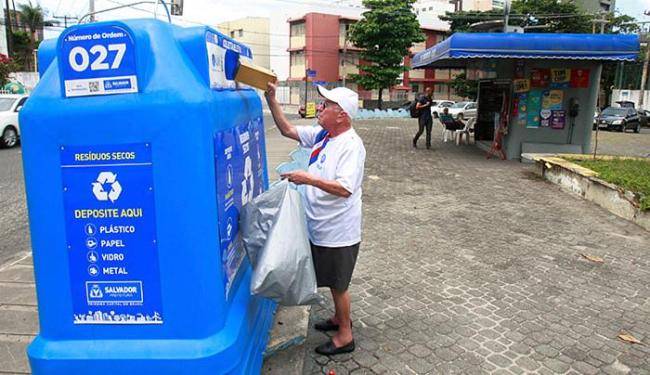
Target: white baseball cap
[(343, 96)]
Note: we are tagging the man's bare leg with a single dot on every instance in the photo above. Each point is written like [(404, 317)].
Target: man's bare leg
[(342, 318)]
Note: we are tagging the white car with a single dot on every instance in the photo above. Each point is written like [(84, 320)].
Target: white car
[(463, 110), (438, 105), (10, 105)]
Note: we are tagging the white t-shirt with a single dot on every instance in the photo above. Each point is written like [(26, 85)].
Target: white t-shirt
[(334, 221)]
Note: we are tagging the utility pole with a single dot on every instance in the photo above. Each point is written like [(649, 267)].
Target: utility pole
[(65, 19), (345, 50), (10, 34), (306, 82), (644, 74), (602, 21), (506, 15), (91, 10)]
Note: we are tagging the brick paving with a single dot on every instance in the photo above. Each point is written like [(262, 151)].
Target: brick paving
[(474, 266), (467, 266)]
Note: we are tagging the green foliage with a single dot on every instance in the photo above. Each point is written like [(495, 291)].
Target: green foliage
[(465, 87), (460, 22), (630, 174), (622, 24), (32, 16), (559, 16), (385, 34), (22, 50)]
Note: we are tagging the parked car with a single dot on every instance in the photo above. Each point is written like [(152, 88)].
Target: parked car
[(10, 105), (619, 119), (438, 105), (644, 118), (462, 110)]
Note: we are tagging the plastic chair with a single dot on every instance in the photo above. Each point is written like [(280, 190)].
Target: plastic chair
[(446, 134), (469, 127)]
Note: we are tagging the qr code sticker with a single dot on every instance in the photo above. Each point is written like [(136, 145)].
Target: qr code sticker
[(93, 86)]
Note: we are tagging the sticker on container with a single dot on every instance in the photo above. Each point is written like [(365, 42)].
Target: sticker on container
[(216, 46), (97, 60), (110, 225), (240, 174)]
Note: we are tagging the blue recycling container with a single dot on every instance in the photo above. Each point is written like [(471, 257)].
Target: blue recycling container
[(138, 155)]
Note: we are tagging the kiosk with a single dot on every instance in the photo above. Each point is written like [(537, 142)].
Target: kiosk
[(138, 154), (539, 91)]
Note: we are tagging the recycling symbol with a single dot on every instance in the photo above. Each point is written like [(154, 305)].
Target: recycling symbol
[(107, 178), (248, 184)]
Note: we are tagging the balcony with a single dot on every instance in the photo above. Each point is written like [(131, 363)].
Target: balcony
[(297, 71), (296, 42), (442, 74), (416, 74), (345, 71), (418, 47)]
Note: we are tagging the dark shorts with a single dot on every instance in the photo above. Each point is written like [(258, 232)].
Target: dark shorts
[(334, 265)]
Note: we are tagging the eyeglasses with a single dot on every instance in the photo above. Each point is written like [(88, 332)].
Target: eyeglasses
[(326, 104)]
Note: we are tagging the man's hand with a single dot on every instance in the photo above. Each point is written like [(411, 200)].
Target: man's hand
[(299, 177), (328, 186), (286, 129), (270, 91)]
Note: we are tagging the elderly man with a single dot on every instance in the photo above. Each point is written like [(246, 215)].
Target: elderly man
[(332, 199)]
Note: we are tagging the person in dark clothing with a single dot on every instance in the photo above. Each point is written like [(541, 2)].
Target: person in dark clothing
[(425, 121)]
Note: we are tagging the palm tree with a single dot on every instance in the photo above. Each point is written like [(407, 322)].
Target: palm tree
[(32, 16)]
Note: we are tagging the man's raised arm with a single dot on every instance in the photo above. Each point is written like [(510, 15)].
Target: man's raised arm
[(286, 129)]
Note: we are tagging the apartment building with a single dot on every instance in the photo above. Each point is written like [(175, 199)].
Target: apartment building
[(595, 6), (319, 47), (255, 33)]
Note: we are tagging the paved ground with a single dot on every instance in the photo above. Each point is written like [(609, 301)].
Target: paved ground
[(14, 230), (473, 266), (628, 143), (467, 266)]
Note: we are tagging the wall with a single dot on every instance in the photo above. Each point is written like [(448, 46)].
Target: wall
[(3, 37), (553, 140), (255, 34), (322, 45), (632, 96)]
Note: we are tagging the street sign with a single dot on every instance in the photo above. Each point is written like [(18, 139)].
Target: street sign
[(311, 73), (311, 110)]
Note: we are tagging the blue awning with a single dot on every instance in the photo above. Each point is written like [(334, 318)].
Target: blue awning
[(459, 48)]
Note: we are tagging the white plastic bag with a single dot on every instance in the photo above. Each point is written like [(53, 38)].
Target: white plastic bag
[(274, 232)]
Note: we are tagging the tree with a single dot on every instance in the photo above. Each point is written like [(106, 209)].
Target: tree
[(23, 50), (385, 34), (464, 87), (556, 16), (32, 16)]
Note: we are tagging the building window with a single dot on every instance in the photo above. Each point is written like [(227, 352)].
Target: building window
[(297, 58), (298, 29), (415, 87)]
